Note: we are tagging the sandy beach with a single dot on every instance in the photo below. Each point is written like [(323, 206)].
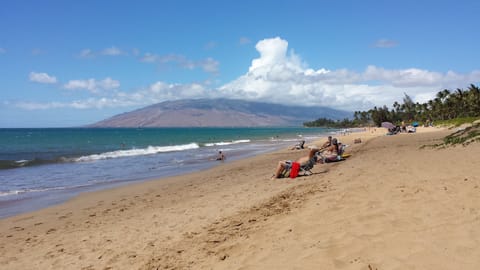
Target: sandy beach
[(391, 205)]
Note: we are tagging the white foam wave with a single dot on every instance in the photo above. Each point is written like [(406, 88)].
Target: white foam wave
[(227, 143), (150, 150), (22, 191)]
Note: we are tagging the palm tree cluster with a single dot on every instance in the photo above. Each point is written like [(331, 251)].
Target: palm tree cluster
[(445, 106)]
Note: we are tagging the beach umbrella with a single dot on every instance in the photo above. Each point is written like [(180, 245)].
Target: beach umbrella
[(388, 125)]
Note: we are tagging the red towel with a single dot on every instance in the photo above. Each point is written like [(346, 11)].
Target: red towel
[(294, 170)]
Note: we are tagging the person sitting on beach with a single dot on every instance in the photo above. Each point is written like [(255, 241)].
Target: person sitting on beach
[(328, 142), (300, 145), (221, 156), (287, 164), (332, 152), (403, 127)]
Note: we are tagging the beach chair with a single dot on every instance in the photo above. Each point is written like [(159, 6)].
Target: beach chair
[(333, 158), (297, 169)]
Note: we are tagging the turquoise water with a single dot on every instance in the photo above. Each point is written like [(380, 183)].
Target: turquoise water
[(41, 167), (26, 147)]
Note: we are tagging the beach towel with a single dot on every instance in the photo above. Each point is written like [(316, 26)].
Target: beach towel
[(295, 169)]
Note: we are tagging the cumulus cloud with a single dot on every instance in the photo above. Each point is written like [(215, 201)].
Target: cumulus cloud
[(92, 85), (154, 93), (42, 78), (279, 75)]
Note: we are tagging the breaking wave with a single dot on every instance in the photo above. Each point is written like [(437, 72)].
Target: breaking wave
[(150, 150), (227, 143)]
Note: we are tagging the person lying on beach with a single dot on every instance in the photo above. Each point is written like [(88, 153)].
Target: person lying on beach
[(300, 145), (287, 164)]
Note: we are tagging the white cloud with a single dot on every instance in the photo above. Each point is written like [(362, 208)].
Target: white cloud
[(39, 106), (97, 103), (208, 65), (149, 58), (2, 50), (112, 51), (403, 78), (157, 92), (108, 83), (92, 85), (86, 53), (42, 78), (385, 43), (279, 75), (161, 91)]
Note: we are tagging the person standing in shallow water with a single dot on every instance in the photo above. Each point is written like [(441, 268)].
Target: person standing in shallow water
[(221, 156)]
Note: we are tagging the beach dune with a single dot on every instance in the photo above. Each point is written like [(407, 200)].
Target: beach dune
[(391, 205)]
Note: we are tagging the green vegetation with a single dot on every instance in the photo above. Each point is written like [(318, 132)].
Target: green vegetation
[(457, 121), (324, 122), (448, 107), (463, 136)]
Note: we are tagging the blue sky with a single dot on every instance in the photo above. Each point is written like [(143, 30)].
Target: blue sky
[(72, 63)]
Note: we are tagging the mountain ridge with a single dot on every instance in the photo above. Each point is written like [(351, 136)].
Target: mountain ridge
[(219, 113)]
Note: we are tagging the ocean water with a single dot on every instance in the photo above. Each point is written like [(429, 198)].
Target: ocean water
[(42, 167)]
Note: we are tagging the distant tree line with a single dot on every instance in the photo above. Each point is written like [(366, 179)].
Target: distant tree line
[(445, 106)]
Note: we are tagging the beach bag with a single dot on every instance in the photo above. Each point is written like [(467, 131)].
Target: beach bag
[(294, 170)]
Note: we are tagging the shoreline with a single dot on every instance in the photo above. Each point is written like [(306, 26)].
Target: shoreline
[(233, 215), (40, 184)]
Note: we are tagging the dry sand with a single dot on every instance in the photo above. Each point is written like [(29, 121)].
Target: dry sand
[(389, 206)]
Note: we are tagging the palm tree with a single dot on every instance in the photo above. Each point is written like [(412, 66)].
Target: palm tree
[(473, 100)]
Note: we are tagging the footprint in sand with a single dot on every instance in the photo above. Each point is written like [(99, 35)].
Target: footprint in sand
[(63, 217)]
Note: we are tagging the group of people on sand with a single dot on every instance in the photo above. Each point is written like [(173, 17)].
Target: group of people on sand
[(330, 151), (402, 128)]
